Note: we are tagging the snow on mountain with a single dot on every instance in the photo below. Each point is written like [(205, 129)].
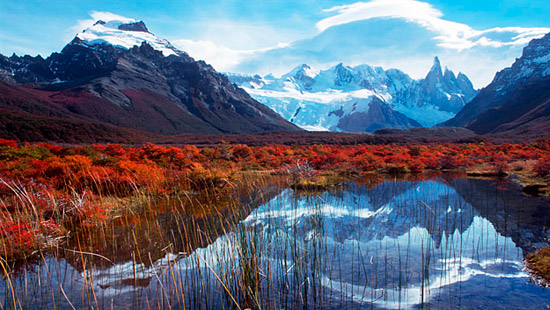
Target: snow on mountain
[(325, 100), (533, 64), (125, 33), (393, 42), (517, 100), (117, 72)]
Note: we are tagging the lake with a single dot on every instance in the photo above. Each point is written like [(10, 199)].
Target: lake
[(437, 242)]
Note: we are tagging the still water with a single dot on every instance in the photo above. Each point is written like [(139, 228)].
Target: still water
[(438, 243)]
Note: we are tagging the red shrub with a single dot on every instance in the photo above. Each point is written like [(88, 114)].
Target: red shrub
[(8, 143), (542, 168)]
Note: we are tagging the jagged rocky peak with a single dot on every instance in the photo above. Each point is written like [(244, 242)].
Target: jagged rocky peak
[(436, 67), (449, 75), (343, 75), (301, 72), (436, 63), (444, 90), (123, 24), (137, 26), (538, 48), (454, 83), (123, 33), (533, 64), (435, 75), (466, 86)]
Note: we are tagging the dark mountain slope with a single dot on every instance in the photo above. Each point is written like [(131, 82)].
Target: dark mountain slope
[(151, 87), (379, 116), (526, 109), (517, 99), (22, 126)]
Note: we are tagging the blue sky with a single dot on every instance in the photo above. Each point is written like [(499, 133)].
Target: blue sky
[(236, 28)]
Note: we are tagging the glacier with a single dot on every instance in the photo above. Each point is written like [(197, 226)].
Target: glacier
[(325, 99)]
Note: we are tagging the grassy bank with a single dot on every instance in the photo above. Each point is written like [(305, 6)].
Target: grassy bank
[(539, 264)]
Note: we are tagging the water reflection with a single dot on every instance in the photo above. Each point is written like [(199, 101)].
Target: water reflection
[(398, 245), (443, 243)]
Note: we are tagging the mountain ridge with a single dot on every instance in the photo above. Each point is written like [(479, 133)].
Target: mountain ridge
[(516, 101), (100, 75), (319, 100)]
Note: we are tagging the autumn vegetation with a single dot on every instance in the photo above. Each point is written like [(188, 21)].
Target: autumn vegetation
[(47, 191), (539, 264)]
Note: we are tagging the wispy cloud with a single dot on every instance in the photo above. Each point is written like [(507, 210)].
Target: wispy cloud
[(98, 15), (448, 34), (409, 9), (221, 57)]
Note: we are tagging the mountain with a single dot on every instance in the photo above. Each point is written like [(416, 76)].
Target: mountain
[(378, 116), (360, 98), (518, 99), (117, 72), (391, 42)]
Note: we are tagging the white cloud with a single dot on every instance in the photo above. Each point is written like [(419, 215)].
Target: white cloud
[(108, 16), (221, 57), (448, 34), (377, 8), (98, 15)]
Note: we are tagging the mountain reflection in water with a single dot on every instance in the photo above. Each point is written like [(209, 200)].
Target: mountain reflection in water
[(443, 243)]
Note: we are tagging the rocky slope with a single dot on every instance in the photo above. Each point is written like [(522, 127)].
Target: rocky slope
[(119, 73), (518, 99)]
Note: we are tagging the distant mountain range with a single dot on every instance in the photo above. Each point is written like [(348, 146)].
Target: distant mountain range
[(118, 73), (116, 81), (518, 99), (365, 98), (361, 98)]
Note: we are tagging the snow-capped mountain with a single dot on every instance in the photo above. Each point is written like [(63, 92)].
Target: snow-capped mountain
[(126, 34), (517, 100), (119, 73), (341, 98)]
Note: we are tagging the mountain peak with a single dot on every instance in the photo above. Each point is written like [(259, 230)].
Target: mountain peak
[(302, 74), (517, 98), (534, 63), (123, 33), (435, 75), (126, 25), (305, 70), (340, 66), (449, 74), (436, 65), (136, 26), (299, 68), (537, 47)]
